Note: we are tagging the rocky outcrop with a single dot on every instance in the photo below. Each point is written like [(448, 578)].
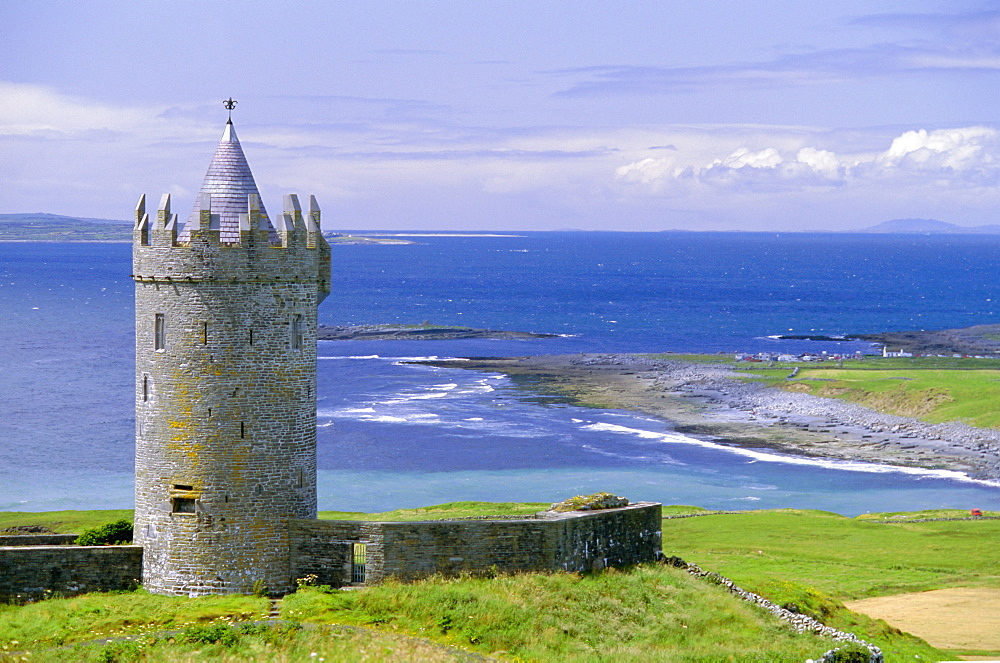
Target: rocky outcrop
[(590, 503), (416, 332)]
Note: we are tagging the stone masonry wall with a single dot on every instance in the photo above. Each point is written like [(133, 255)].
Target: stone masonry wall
[(577, 541), (29, 572), (630, 535)]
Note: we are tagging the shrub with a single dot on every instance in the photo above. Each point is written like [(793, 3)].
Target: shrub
[(260, 588), (214, 633), (122, 651), (110, 534), (851, 653)]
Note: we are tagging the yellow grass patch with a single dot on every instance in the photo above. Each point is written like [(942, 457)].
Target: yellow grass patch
[(958, 618)]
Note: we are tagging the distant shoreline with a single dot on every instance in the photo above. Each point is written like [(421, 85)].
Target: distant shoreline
[(63, 240), (424, 332), (707, 401)]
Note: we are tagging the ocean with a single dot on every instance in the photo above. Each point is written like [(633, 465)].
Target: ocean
[(395, 435)]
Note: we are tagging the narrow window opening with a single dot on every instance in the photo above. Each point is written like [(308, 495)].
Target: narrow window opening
[(302, 476), (227, 499), (259, 490), (251, 337), (295, 332), (145, 388), (183, 505), (243, 430), (359, 556), (204, 333), (181, 486), (160, 333), (209, 412)]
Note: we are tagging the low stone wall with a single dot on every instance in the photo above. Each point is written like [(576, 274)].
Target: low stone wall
[(32, 572), (576, 541), (573, 541)]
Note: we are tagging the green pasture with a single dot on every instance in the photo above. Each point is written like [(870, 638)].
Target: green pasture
[(62, 522), (65, 621), (933, 389), (846, 558)]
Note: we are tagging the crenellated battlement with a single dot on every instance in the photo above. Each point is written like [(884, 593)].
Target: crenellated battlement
[(293, 250)]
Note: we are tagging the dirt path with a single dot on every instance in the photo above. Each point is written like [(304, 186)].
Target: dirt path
[(959, 618)]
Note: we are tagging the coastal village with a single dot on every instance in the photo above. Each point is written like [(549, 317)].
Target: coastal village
[(822, 356)]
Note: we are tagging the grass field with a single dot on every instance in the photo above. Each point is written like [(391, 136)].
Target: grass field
[(836, 555), (933, 395), (650, 612), (62, 522), (933, 389)]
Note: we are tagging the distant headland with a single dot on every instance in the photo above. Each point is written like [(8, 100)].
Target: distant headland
[(425, 331), (968, 341), (928, 227), (977, 340)]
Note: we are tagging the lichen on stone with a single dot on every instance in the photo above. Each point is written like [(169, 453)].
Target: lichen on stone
[(590, 503)]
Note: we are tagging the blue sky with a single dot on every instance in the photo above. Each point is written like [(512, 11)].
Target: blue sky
[(492, 115)]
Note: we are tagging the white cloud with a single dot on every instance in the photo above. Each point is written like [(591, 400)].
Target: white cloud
[(37, 110), (744, 158), (646, 170), (958, 150), (822, 162), (969, 155)]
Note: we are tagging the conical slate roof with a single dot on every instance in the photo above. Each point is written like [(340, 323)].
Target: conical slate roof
[(230, 182)]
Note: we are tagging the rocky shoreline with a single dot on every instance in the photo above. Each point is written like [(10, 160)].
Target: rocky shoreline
[(708, 401)]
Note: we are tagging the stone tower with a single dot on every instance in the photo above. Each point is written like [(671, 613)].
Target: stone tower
[(225, 364)]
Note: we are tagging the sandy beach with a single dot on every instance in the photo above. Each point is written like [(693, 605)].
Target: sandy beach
[(707, 401)]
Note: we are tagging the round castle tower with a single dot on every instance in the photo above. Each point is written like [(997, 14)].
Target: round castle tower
[(225, 383)]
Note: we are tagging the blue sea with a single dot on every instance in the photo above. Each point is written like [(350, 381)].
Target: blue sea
[(395, 435)]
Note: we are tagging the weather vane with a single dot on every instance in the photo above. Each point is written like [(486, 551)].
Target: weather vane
[(230, 104)]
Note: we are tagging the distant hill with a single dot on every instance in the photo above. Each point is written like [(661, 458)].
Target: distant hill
[(929, 227), (44, 216), (41, 227)]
